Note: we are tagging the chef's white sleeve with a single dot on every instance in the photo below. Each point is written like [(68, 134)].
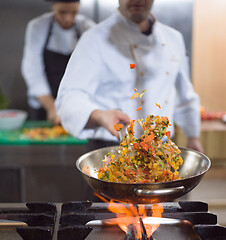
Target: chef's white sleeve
[(76, 96), (187, 113)]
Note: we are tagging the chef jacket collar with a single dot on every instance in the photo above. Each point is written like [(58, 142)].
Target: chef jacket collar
[(151, 20), (134, 27)]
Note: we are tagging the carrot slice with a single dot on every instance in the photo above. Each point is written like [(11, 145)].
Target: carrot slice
[(135, 95), (144, 146), (118, 126), (150, 137), (168, 134), (158, 105), (136, 145), (138, 109)]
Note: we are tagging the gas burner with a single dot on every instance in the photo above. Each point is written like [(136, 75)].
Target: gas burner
[(84, 221)]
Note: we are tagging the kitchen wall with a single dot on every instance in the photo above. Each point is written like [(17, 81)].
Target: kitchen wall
[(209, 58), (14, 16)]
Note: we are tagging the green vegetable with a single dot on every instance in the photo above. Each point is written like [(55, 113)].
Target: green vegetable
[(107, 175), (4, 103)]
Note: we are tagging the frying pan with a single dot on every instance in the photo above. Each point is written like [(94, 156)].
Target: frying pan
[(194, 167)]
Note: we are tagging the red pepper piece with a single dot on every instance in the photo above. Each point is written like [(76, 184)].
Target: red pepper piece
[(132, 66), (168, 134)]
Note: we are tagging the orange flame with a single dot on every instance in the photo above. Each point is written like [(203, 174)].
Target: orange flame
[(157, 210), (128, 215)]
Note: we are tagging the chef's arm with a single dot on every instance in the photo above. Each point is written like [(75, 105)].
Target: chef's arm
[(47, 102), (107, 119), (187, 114)]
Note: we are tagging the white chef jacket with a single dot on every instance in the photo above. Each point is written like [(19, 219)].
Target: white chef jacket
[(61, 41), (98, 76)]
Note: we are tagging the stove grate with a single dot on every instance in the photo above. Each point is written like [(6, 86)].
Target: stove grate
[(50, 221)]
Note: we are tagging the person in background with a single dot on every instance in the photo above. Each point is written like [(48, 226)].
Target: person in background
[(95, 91), (49, 41)]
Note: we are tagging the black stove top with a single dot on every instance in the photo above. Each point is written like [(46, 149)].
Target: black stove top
[(67, 221)]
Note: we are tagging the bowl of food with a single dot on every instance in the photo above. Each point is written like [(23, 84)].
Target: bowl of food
[(12, 119)]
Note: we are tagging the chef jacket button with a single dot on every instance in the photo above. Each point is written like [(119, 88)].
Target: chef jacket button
[(142, 74), (135, 46)]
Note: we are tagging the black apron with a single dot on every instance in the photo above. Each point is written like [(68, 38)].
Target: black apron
[(55, 64)]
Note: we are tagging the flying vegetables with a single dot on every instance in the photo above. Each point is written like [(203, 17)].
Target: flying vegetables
[(147, 159)]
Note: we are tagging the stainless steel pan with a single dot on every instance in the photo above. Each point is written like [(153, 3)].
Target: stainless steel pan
[(193, 169)]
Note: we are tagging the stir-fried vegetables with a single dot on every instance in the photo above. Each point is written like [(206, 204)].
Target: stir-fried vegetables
[(147, 159), (137, 94)]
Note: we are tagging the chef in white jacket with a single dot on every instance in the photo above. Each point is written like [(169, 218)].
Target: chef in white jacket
[(50, 39), (95, 91)]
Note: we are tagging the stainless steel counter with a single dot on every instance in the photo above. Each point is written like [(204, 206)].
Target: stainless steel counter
[(43, 173)]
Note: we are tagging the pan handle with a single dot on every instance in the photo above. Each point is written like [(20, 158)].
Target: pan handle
[(159, 192)]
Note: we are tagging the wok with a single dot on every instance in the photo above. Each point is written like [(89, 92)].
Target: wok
[(193, 169)]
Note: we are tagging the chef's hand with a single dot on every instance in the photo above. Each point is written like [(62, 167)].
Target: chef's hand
[(47, 102), (107, 119), (195, 144)]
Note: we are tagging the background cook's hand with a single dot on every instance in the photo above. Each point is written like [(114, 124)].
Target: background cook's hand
[(47, 101), (195, 144), (53, 117), (108, 119)]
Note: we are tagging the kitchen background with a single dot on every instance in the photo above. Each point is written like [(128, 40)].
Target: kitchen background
[(45, 173), (16, 14)]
